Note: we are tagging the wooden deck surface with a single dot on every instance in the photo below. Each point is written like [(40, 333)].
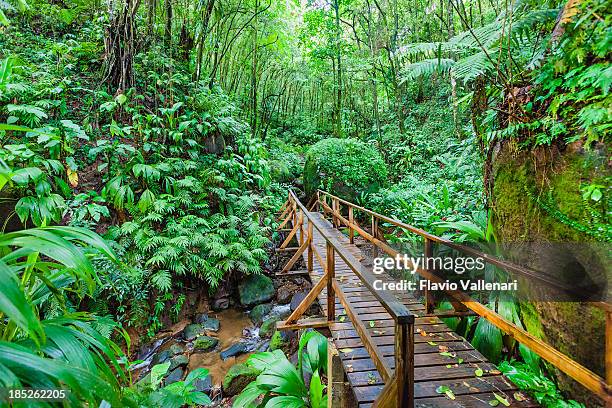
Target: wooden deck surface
[(432, 337)]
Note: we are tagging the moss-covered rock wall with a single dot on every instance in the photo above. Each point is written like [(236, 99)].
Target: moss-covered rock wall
[(540, 196)]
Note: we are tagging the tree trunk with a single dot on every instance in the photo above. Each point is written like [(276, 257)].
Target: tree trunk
[(120, 45)]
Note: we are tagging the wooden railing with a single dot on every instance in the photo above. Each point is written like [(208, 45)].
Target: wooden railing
[(399, 383), (330, 204)]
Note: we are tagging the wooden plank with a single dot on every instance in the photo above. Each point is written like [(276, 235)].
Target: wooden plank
[(471, 401), (421, 359), (302, 324), (377, 360), (293, 273)]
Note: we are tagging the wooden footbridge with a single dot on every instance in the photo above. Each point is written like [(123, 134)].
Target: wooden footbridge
[(394, 350)]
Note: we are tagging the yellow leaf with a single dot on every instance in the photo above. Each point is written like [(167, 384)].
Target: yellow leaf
[(73, 177)]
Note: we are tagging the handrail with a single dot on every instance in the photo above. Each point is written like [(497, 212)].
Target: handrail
[(501, 263), (399, 388), (593, 382), (398, 311)]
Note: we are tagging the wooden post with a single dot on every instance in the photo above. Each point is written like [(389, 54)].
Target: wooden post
[(318, 201), (404, 363), (335, 377), (428, 253), (310, 246), (301, 223), (331, 271), (351, 230), (336, 209), (375, 235), (609, 348)]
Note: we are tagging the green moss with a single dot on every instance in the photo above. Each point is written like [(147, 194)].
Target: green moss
[(238, 377), (346, 167), (268, 327), (277, 342), (537, 195), (531, 320), (537, 198)]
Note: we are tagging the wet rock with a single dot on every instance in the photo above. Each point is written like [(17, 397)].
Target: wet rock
[(281, 311), (205, 343), (212, 325), (176, 348), (259, 312), (220, 304), (175, 375), (234, 350), (237, 378), (268, 327), (204, 385), (297, 299), (192, 331), (285, 292), (255, 289), (200, 318), (178, 361), (166, 354), (208, 323)]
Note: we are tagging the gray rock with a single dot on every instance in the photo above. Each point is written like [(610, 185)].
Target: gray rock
[(192, 331), (255, 289), (212, 325), (204, 385), (180, 360), (220, 304), (297, 299), (207, 322), (201, 318), (234, 350), (176, 348), (259, 312), (283, 294), (205, 343), (166, 354), (174, 376)]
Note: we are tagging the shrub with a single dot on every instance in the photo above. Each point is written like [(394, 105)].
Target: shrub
[(346, 167)]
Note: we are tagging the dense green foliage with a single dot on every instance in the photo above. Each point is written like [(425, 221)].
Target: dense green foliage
[(346, 167), (146, 145)]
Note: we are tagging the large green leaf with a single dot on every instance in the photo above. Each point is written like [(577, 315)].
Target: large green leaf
[(285, 402), (14, 304), (261, 361), (282, 378)]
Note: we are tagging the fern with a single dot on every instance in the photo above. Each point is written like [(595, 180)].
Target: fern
[(426, 68)]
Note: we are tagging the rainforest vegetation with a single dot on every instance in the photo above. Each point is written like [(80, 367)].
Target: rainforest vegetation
[(146, 147)]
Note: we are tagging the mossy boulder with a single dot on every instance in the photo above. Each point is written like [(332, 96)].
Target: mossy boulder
[(205, 343), (180, 360), (259, 312), (345, 167), (279, 341), (237, 378), (268, 327), (255, 289), (192, 331)]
